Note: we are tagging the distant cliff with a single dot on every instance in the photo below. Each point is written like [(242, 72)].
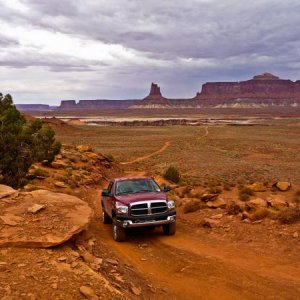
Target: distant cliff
[(96, 104), (260, 91), (34, 107), (265, 89)]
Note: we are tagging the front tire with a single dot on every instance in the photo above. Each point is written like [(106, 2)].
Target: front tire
[(119, 233), (169, 229), (105, 217)]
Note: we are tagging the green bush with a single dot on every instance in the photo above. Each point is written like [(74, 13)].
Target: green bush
[(110, 157), (22, 143), (172, 174), (41, 172)]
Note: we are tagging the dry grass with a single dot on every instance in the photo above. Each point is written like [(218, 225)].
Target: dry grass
[(289, 215), (234, 154), (259, 214), (192, 206)]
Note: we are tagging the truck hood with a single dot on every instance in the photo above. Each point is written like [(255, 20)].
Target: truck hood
[(130, 198)]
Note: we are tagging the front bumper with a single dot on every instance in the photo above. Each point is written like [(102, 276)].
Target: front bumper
[(149, 220)]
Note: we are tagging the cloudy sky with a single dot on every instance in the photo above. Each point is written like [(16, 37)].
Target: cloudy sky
[(113, 49)]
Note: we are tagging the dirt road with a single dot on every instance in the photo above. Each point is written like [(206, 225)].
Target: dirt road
[(145, 157), (190, 265)]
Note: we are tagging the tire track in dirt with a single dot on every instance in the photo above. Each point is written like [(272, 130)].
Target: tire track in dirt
[(192, 266), (145, 157), (205, 134)]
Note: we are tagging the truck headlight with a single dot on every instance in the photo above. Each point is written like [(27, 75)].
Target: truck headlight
[(121, 209), (171, 204)]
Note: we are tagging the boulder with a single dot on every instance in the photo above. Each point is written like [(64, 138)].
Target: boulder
[(63, 217), (210, 223), (6, 191), (84, 148), (235, 206), (277, 202), (88, 292), (258, 187), (256, 203), (218, 203), (60, 184), (283, 185), (209, 197)]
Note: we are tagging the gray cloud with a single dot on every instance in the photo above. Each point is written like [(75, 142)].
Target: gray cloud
[(199, 41), (6, 41)]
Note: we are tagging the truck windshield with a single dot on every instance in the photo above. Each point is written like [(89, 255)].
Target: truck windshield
[(136, 186)]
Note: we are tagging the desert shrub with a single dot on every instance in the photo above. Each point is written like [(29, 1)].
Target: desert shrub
[(191, 206), (110, 157), (84, 159), (172, 174), (244, 197), (259, 214), (289, 215), (233, 208), (63, 178), (215, 190), (22, 143), (296, 197), (226, 186), (73, 159), (245, 193), (41, 172)]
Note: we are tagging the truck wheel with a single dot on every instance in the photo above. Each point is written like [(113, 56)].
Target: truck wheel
[(105, 217), (169, 229), (119, 233)]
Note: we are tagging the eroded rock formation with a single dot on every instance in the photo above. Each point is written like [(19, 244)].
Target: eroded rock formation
[(263, 90)]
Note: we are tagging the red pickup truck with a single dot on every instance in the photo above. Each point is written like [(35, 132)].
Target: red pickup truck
[(137, 202)]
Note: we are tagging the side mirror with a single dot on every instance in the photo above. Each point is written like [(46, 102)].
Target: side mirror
[(105, 193), (166, 188)]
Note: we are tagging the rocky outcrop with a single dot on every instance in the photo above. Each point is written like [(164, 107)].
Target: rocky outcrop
[(154, 99), (41, 219), (6, 191), (263, 90)]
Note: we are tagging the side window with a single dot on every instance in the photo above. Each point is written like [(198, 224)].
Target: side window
[(110, 187)]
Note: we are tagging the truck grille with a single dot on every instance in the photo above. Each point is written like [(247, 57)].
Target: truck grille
[(148, 208)]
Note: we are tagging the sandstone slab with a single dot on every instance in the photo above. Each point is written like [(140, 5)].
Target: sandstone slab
[(61, 217), (218, 203), (6, 191)]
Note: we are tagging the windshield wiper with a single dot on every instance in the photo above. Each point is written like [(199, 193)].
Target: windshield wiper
[(142, 191)]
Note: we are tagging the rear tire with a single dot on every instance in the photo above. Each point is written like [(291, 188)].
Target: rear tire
[(169, 229), (119, 233), (105, 217)]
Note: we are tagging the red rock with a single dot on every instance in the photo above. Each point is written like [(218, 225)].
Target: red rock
[(264, 89)]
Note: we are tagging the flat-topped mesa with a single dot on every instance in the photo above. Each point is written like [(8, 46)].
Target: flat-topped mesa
[(67, 104), (264, 89)]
